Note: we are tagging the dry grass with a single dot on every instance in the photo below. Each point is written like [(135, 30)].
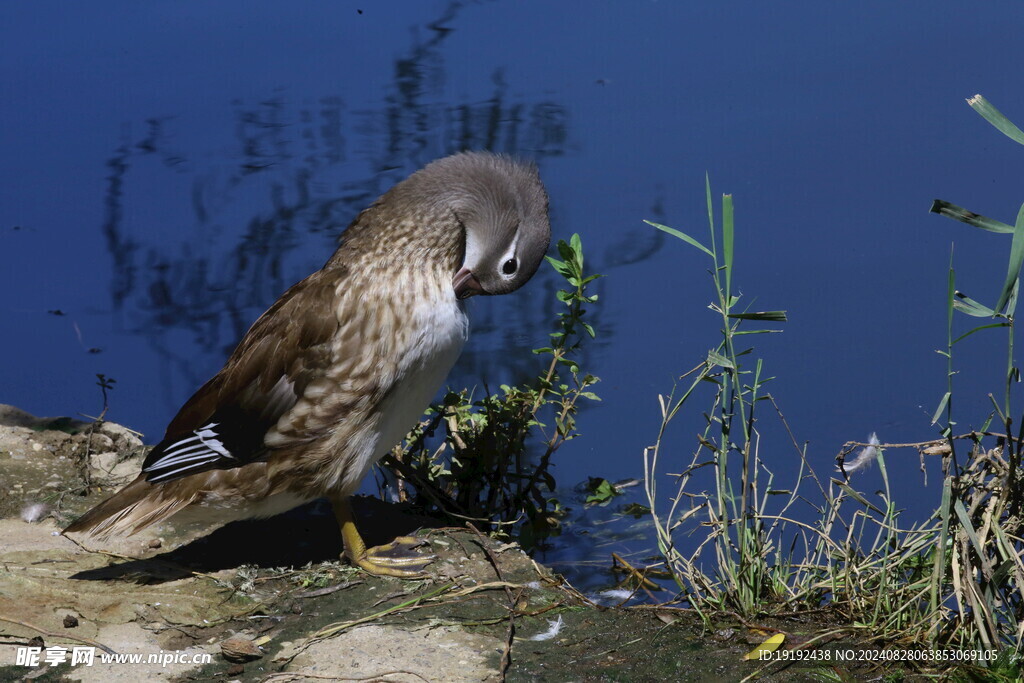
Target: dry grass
[(735, 540)]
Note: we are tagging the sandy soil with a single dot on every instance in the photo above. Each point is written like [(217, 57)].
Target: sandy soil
[(270, 600)]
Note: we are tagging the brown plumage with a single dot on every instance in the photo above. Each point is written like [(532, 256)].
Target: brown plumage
[(345, 362)]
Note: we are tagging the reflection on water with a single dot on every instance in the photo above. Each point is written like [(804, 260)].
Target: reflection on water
[(263, 197), (248, 145), (192, 294)]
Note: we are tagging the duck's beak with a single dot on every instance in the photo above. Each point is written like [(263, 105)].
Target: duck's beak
[(465, 284)]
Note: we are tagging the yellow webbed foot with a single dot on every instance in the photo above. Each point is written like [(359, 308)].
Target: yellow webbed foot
[(397, 558), (394, 559)]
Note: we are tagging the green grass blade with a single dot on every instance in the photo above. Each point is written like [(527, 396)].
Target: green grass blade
[(681, 235), (938, 568), (999, 411), (1011, 303), (966, 304), (996, 118), (968, 527), (737, 333), (728, 237), (711, 207), (961, 214), (715, 358), (950, 290), (1016, 259), (942, 406), (773, 316), (978, 329)]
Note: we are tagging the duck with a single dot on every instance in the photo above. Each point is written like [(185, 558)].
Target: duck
[(339, 369)]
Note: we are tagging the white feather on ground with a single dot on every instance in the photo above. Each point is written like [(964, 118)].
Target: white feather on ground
[(35, 512), (555, 628), (614, 595)]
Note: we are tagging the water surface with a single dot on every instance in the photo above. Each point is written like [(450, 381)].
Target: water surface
[(170, 169)]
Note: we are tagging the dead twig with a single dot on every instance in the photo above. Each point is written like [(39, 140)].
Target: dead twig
[(506, 654), (302, 676), (328, 590), (640, 575), (51, 634)]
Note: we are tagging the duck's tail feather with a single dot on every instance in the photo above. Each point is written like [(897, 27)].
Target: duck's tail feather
[(131, 509)]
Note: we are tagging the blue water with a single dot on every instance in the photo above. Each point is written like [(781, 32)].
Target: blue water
[(170, 168)]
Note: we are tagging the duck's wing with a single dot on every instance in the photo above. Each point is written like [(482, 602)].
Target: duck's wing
[(226, 421)]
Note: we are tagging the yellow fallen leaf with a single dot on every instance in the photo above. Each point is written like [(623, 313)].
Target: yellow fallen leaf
[(767, 647)]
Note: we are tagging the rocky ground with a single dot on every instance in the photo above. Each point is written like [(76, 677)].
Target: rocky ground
[(270, 601)]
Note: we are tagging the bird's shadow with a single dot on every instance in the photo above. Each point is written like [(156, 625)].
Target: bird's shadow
[(308, 533)]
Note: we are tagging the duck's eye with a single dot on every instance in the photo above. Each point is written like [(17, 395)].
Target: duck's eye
[(509, 267)]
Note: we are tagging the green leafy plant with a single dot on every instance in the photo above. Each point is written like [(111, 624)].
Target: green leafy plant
[(600, 491), (488, 460)]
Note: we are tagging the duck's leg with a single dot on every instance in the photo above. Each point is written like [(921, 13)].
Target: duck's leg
[(391, 559)]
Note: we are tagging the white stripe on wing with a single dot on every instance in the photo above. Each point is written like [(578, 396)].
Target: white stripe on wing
[(190, 453)]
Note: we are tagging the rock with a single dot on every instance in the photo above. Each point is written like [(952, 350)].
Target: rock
[(113, 469), (48, 454), (122, 438), (16, 417), (442, 653)]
